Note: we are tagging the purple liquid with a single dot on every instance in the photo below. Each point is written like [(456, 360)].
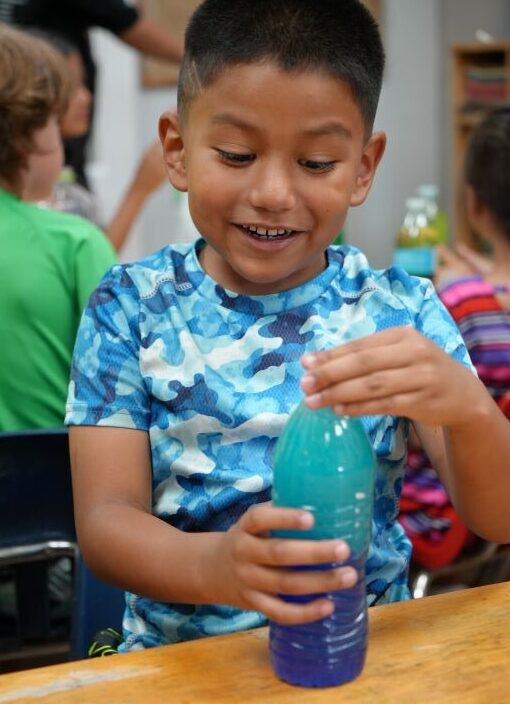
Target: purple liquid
[(326, 652)]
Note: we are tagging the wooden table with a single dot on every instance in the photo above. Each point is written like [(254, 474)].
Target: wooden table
[(449, 648)]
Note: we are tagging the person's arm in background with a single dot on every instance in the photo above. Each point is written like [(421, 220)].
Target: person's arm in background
[(149, 176), (127, 23), (459, 262), (147, 37)]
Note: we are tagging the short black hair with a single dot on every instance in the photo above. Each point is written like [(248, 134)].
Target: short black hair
[(487, 165), (338, 37)]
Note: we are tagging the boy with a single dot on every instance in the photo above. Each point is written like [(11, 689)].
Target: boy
[(50, 262), (189, 362)]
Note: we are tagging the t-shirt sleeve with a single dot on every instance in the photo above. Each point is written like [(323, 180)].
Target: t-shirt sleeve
[(94, 256), (114, 15), (106, 386), (435, 322)]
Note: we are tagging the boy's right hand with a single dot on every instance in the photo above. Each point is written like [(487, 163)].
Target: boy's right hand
[(251, 570)]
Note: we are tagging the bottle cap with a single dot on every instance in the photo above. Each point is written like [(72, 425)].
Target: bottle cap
[(67, 175), (428, 190), (415, 204)]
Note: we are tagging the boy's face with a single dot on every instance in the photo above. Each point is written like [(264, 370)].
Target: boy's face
[(44, 163), (271, 161)]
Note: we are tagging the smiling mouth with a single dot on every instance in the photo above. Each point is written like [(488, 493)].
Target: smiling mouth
[(267, 233)]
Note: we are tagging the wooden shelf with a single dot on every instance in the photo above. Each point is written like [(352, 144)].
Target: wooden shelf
[(480, 72)]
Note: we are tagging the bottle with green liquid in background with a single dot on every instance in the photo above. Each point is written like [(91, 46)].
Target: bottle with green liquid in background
[(325, 464), (437, 217), (417, 239)]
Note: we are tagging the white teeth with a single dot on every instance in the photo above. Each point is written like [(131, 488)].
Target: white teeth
[(267, 233)]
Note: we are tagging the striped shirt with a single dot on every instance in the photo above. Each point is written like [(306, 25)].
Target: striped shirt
[(485, 327)]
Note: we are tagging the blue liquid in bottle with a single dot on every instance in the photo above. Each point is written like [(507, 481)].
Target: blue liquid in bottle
[(325, 464)]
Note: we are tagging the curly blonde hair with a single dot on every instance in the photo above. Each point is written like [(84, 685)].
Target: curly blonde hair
[(34, 85)]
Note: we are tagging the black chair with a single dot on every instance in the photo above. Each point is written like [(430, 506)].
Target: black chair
[(36, 528)]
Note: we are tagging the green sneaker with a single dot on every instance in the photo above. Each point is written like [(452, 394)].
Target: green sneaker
[(106, 642)]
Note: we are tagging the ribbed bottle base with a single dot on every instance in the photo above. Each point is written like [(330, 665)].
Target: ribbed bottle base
[(318, 675), (326, 652)]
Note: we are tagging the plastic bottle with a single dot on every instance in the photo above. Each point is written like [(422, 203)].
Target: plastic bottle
[(437, 217), (416, 240), (71, 197), (325, 464)]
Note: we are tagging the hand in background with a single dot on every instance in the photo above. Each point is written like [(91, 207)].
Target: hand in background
[(251, 570), (458, 262), (150, 173)]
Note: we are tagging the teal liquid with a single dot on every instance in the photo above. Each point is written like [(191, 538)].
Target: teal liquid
[(325, 464)]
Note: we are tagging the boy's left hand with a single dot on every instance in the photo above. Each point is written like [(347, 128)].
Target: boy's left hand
[(394, 372)]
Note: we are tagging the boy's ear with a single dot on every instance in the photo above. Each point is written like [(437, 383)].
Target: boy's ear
[(370, 158), (170, 134)]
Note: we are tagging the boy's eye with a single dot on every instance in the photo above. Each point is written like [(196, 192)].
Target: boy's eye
[(320, 166), (235, 157)]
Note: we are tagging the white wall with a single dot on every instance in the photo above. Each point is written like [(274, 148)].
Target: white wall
[(409, 113)]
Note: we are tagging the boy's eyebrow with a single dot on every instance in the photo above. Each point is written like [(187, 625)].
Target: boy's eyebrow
[(332, 127), (227, 118)]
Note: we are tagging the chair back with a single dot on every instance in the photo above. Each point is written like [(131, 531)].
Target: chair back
[(37, 525), (36, 500)]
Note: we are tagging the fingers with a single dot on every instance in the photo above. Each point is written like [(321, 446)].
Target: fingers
[(453, 264), (285, 552), (261, 567), (298, 582), (262, 518), (366, 368), (389, 337), (290, 614), (368, 387), (394, 372), (480, 263), (445, 255), (401, 405)]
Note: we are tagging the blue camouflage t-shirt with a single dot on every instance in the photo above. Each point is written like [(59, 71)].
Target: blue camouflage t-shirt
[(213, 375)]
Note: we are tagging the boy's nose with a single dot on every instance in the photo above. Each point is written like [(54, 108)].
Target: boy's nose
[(272, 188)]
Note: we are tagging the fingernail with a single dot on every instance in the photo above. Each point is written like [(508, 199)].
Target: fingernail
[(308, 382), (327, 608), (341, 552), (349, 577), (308, 360), (313, 401), (306, 520)]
